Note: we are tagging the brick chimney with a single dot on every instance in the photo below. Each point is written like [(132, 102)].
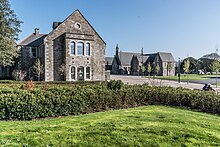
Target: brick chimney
[(36, 31)]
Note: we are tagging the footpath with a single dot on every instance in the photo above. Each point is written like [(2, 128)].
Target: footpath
[(158, 82)]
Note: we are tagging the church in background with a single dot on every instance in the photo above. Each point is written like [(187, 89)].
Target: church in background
[(128, 63)]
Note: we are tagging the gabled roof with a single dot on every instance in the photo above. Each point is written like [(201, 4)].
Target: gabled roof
[(150, 58), (33, 40), (166, 57), (84, 19), (116, 58), (126, 57)]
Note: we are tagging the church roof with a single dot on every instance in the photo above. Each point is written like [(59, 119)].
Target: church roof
[(151, 57), (166, 57), (126, 58)]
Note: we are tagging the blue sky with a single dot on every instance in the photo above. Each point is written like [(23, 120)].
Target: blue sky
[(182, 27)]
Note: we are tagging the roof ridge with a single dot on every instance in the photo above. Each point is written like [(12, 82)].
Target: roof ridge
[(25, 39)]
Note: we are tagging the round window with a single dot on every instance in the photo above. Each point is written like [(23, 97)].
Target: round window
[(77, 26)]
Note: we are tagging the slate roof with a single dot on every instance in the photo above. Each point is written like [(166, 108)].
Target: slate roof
[(126, 58), (109, 60), (117, 60), (151, 57), (166, 57), (33, 40)]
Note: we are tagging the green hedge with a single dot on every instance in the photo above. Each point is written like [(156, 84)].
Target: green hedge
[(62, 100)]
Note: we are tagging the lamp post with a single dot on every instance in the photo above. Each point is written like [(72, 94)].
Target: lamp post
[(216, 78), (142, 53), (179, 70)]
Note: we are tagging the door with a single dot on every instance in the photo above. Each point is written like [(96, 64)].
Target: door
[(80, 73)]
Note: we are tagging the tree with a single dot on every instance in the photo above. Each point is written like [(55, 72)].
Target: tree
[(143, 70), (215, 66), (169, 68), (157, 69), (38, 68), (149, 68), (19, 75), (193, 66), (205, 65), (186, 68), (62, 70), (9, 29)]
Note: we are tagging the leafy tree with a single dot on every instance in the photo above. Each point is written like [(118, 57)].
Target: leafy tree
[(157, 69), (193, 65), (149, 68), (215, 66), (9, 29), (38, 68), (169, 68), (186, 68), (205, 65), (143, 69)]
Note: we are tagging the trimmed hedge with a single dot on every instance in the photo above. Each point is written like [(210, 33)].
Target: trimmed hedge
[(62, 100)]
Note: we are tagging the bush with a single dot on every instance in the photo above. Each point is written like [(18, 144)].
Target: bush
[(115, 85), (60, 100)]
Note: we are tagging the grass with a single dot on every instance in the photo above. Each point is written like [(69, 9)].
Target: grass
[(184, 77), (143, 126)]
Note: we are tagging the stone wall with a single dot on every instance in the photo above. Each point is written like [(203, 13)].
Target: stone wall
[(26, 61), (59, 49)]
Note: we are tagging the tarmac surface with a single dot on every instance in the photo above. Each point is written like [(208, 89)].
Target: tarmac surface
[(158, 82)]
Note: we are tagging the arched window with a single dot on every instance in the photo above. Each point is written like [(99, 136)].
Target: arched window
[(80, 48), (80, 73), (73, 75), (87, 49), (72, 48), (87, 72)]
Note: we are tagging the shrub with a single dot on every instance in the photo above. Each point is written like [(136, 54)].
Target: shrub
[(65, 100), (115, 84)]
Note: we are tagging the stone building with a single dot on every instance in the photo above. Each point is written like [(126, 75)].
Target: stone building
[(72, 51), (133, 63)]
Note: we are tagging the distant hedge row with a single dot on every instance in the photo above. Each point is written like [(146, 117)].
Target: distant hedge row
[(62, 100)]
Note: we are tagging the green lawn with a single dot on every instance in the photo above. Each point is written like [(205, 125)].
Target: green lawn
[(143, 126), (184, 77)]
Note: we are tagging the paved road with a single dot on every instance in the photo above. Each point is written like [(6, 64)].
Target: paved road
[(157, 82)]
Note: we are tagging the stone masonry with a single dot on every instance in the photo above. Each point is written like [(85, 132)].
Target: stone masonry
[(57, 49)]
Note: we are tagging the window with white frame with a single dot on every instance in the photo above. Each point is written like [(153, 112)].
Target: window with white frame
[(73, 75), (87, 72), (87, 49), (80, 48), (72, 48)]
